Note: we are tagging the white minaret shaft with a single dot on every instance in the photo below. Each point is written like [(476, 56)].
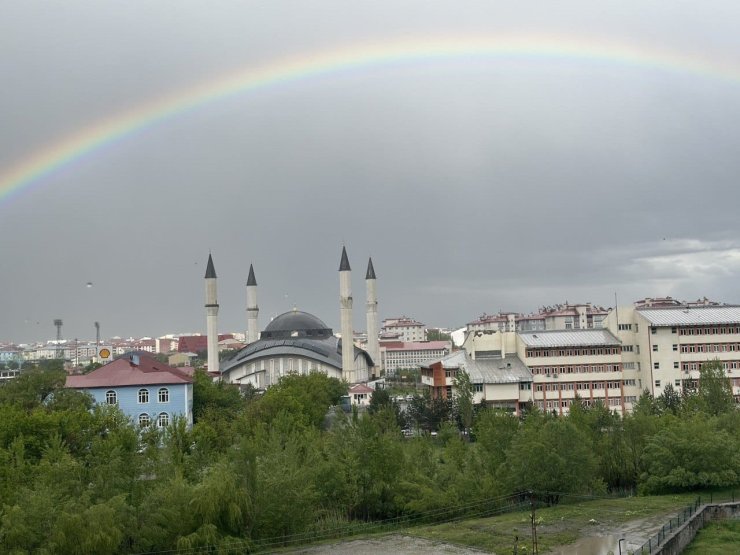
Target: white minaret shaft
[(252, 308), (345, 313), (212, 316), (373, 347)]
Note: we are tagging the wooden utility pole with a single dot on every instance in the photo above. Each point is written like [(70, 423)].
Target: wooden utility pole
[(533, 517)]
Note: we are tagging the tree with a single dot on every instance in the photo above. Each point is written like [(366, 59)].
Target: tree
[(715, 391), (669, 400), (463, 401), (434, 334)]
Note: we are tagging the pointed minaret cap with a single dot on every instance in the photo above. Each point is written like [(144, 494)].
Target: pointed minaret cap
[(344, 264), (251, 279), (210, 270), (370, 270)]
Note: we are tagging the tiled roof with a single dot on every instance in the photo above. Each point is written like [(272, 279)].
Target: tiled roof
[(123, 372), (360, 388), (568, 338), (691, 316)]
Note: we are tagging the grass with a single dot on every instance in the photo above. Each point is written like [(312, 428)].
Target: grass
[(558, 525), (717, 537)]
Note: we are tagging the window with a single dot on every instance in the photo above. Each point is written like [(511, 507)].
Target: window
[(653, 330), (624, 327), (163, 420), (627, 348), (678, 383), (478, 388), (111, 397), (144, 420), (675, 346), (673, 330), (657, 383), (675, 364), (656, 365), (164, 395), (655, 347), (143, 397)]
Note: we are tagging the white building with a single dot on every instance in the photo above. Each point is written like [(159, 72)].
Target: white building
[(404, 329), (395, 356)]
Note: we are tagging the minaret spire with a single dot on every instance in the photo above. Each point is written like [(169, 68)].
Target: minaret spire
[(345, 313), (373, 347), (252, 308), (212, 316)]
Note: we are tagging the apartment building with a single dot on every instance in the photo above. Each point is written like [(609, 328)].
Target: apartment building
[(404, 329), (557, 317)]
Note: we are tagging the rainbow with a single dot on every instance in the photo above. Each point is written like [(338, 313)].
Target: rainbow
[(74, 147)]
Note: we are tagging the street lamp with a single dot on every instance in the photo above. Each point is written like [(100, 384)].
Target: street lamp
[(620, 544)]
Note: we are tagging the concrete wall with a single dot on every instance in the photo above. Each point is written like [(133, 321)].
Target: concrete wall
[(684, 535)]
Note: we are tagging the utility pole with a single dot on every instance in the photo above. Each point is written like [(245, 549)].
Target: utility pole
[(533, 517)]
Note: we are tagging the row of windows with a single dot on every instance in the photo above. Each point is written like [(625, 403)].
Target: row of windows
[(163, 420), (708, 347), (565, 403), (533, 353), (707, 330), (581, 386), (163, 396), (692, 366), (576, 369)]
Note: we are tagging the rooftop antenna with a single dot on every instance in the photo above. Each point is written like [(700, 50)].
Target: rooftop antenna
[(58, 324)]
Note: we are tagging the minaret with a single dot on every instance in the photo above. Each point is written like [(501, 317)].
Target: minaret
[(345, 312), (373, 347), (252, 308), (212, 316)]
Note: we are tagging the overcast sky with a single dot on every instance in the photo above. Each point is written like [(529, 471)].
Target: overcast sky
[(476, 183)]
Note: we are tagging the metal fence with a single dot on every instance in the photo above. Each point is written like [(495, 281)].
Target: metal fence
[(668, 528)]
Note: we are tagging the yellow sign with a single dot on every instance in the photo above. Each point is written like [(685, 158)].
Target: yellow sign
[(104, 353)]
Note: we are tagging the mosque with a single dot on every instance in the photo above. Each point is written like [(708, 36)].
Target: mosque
[(296, 342)]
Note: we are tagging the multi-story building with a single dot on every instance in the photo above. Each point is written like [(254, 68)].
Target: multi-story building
[(667, 342), (398, 355), (582, 363), (404, 329), (147, 391), (558, 317)]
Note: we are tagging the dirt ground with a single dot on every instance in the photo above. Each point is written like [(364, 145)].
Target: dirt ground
[(396, 544), (597, 539)]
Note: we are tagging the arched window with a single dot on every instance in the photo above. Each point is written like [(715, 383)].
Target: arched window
[(111, 397), (144, 420), (164, 395), (163, 420), (143, 396)]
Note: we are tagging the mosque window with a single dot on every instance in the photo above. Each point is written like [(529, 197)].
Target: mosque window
[(111, 397)]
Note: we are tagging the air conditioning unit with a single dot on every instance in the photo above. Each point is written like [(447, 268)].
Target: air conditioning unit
[(555, 376), (547, 375)]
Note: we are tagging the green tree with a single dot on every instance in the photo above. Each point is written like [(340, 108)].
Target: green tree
[(463, 400), (715, 391)]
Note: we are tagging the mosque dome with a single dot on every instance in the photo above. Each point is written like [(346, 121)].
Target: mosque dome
[(296, 324)]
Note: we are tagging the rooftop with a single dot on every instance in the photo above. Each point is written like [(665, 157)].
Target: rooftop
[(130, 370), (568, 338), (691, 315), (509, 369)]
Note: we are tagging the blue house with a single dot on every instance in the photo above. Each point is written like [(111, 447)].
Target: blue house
[(146, 390)]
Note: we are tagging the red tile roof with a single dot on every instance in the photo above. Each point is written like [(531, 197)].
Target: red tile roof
[(197, 343), (123, 371)]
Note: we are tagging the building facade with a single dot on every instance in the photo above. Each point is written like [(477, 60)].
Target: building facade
[(147, 391)]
